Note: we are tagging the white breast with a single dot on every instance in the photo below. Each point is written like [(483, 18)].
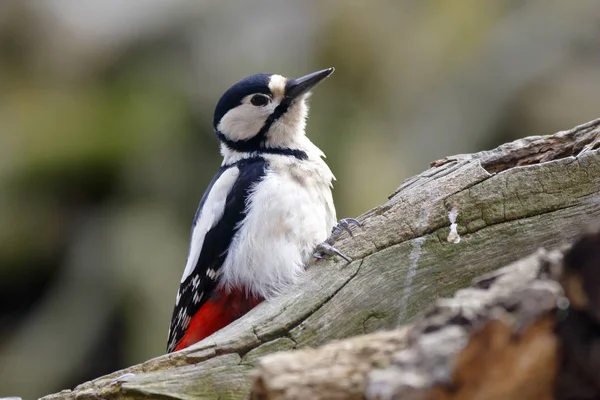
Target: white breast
[(290, 211)]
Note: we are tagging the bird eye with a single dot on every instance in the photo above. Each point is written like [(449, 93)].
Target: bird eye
[(259, 100)]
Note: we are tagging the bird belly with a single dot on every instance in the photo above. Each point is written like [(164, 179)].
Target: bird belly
[(286, 218)]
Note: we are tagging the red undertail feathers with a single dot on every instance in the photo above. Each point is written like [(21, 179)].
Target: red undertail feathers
[(220, 310)]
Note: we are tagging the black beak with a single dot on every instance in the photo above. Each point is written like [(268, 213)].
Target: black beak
[(299, 86)]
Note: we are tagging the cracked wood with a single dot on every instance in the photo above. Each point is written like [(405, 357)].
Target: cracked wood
[(403, 261)]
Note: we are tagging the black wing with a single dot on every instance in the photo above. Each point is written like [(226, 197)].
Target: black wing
[(199, 285)]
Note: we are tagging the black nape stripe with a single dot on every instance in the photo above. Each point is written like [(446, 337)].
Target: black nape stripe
[(244, 147)]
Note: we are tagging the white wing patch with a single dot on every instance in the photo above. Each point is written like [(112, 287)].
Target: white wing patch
[(210, 214)]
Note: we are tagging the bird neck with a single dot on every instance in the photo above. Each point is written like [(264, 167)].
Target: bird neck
[(300, 149)]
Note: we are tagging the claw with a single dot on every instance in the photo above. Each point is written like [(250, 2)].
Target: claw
[(343, 225), (325, 248)]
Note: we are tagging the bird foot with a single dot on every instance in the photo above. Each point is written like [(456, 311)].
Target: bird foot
[(326, 247), (343, 225)]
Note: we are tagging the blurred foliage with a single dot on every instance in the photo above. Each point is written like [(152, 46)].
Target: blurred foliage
[(106, 142)]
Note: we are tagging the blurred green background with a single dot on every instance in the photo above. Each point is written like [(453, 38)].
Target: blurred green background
[(106, 143)]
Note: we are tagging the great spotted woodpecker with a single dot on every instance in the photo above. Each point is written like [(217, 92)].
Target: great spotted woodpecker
[(268, 209)]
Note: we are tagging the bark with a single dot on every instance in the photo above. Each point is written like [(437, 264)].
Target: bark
[(505, 203), (526, 331)]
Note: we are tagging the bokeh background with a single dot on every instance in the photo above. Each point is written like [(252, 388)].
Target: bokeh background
[(106, 143)]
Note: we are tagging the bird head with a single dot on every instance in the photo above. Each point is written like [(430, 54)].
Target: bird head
[(265, 111)]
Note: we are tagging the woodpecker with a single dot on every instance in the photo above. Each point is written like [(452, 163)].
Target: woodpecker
[(266, 212)]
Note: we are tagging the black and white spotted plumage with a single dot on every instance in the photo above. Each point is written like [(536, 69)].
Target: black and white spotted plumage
[(198, 286)]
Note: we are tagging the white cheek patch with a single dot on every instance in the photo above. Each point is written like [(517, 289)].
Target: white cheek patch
[(246, 120), (243, 122), (210, 214)]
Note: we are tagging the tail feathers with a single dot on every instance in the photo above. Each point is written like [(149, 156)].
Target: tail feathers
[(222, 309)]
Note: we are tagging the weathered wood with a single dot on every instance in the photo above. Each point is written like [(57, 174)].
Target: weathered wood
[(527, 331), (403, 261), (455, 345)]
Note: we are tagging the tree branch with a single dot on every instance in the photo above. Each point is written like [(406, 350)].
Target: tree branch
[(535, 192), (512, 335)]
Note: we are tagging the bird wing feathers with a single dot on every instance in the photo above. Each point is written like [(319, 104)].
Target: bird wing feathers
[(221, 209)]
